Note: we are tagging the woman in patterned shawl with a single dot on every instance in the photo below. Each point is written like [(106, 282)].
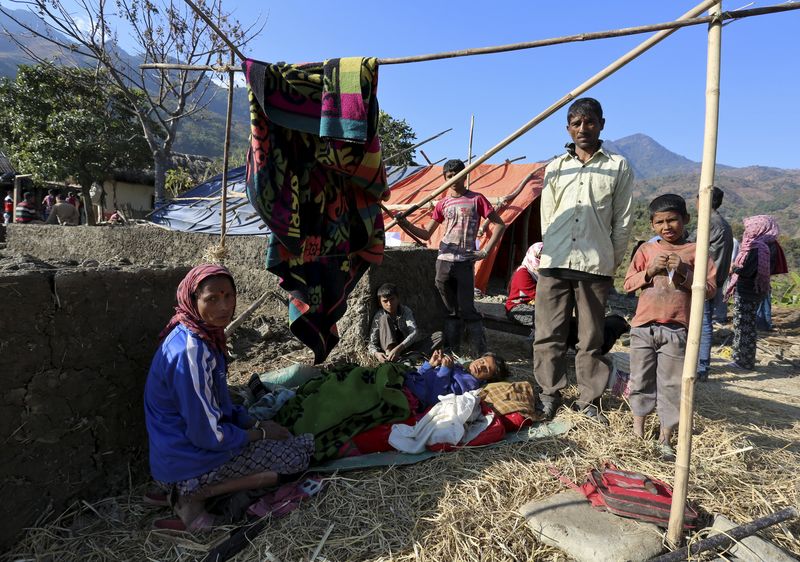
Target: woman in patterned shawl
[(201, 444), (759, 256)]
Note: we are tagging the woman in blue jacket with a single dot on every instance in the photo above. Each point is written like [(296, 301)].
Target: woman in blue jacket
[(199, 439)]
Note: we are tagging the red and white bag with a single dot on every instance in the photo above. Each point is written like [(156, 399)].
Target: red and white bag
[(629, 494)]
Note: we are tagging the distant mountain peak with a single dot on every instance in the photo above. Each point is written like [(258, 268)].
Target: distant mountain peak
[(650, 159)]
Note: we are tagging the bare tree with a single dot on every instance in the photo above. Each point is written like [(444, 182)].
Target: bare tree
[(164, 32)]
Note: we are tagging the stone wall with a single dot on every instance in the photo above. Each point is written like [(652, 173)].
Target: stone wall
[(411, 269), (77, 344)]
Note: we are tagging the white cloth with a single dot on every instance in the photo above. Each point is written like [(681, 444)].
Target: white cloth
[(448, 421)]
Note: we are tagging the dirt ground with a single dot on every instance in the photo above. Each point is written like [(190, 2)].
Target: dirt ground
[(462, 506)]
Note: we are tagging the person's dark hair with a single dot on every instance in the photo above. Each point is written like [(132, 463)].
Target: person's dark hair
[(388, 290), (502, 368), (716, 197), (584, 106), (454, 166), (27, 195), (668, 202), (51, 191), (60, 196)]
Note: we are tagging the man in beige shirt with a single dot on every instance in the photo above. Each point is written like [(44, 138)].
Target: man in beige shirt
[(585, 216), (63, 213)]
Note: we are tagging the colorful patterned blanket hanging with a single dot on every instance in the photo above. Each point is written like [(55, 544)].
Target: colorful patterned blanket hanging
[(318, 196)]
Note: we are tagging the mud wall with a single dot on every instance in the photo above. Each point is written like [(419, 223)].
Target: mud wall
[(411, 269), (144, 245), (76, 346)]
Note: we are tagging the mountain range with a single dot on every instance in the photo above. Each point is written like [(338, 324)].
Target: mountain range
[(749, 190)]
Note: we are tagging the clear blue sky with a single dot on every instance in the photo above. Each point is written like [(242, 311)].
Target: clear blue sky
[(660, 94)]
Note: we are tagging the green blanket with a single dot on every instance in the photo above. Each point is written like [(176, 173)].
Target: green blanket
[(345, 401)]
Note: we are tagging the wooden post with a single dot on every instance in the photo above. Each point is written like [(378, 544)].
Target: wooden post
[(469, 150), (675, 530), (223, 210), (603, 74)]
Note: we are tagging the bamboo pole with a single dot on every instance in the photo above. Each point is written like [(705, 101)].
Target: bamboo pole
[(414, 147), (675, 530), (223, 209), (203, 16), (580, 37), (605, 73), (469, 150)]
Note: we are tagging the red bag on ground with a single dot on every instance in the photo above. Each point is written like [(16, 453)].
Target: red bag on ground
[(629, 494)]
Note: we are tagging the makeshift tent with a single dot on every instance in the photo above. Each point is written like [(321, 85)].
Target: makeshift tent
[(497, 182), (198, 210)]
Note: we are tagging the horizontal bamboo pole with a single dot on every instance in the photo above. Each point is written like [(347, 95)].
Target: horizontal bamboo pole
[(605, 73), (177, 66), (580, 37)]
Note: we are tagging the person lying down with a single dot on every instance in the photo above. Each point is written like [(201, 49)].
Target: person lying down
[(441, 375), (346, 400)]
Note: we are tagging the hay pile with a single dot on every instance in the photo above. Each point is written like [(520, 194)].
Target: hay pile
[(463, 506)]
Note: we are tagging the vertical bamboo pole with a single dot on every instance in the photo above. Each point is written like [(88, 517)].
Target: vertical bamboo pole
[(223, 211), (599, 77), (469, 150), (675, 530)]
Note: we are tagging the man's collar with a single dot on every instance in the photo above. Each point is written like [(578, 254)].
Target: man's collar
[(570, 146)]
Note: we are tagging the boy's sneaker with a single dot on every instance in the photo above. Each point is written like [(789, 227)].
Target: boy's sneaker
[(702, 376)]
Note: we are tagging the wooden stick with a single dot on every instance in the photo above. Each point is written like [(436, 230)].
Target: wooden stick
[(580, 37), (726, 539), (411, 234), (417, 145), (203, 16), (230, 328), (177, 66), (605, 73), (469, 150), (676, 515), (223, 209), (729, 453), (425, 156), (321, 542)]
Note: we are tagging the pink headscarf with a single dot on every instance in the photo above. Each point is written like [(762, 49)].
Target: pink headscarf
[(186, 312), (759, 231), (531, 260)]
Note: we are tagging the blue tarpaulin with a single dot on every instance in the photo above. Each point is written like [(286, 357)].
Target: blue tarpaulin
[(197, 210)]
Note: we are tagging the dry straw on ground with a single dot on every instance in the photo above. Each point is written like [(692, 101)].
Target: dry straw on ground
[(463, 506)]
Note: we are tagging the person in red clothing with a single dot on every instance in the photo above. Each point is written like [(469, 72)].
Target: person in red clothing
[(26, 213), (663, 270), (8, 208), (522, 289)]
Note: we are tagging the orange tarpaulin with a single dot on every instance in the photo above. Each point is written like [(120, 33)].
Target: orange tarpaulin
[(494, 181)]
